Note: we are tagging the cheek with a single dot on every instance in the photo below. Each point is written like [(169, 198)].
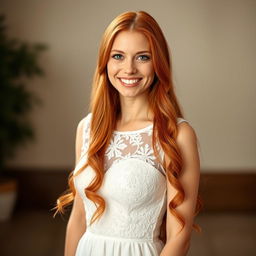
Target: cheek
[(112, 68), (149, 70)]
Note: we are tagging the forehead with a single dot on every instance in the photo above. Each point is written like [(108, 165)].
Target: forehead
[(130, 41)]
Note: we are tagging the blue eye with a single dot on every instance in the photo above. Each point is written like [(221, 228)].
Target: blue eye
[(117, 56), (143, 57)]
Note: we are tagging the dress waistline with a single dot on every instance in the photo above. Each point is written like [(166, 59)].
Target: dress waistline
[(137, 240)]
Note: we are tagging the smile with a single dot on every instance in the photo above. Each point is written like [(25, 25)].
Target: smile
[(130, 82)]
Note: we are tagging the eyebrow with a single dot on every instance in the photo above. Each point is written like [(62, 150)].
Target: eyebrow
[(136, 52)]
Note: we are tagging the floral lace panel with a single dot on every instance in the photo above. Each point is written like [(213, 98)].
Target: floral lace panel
[(131, 145)]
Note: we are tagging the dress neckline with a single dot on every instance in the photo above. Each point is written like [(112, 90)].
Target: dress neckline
[(134, 131)]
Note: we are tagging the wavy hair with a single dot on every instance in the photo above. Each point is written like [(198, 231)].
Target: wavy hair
[(105, 108)]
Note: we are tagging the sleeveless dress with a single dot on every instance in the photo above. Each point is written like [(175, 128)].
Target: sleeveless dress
[(134, 189)]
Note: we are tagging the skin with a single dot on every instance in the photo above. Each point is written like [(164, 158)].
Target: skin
[(130, 58)]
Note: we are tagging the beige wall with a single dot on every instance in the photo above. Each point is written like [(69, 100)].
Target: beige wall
[(214, 59)]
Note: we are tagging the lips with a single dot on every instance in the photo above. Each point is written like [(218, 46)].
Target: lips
[(130, 82)]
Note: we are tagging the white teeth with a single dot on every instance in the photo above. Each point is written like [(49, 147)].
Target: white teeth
[(130, 81)]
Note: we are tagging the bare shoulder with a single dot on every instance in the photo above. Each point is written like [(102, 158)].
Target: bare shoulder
[(186, 135), (188, 144)]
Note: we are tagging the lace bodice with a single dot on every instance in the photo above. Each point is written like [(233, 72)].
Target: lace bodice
[(134, 186)]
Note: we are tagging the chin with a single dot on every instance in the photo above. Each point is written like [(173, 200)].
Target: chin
[(128, 94)]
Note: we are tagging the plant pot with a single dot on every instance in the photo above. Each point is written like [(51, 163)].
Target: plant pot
[(8, 195)]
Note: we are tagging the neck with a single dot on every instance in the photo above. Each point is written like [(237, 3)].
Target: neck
[(134, 109)]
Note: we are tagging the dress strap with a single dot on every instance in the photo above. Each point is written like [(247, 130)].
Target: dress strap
[(180, 120)]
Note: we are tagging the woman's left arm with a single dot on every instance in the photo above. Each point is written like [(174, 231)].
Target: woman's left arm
[(178, 244)]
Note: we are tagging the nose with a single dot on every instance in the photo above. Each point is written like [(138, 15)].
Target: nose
[(130, 66)]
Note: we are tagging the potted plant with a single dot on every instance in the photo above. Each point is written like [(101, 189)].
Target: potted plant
[(18, 63)]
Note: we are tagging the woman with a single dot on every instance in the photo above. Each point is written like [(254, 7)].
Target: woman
[(137, 163)]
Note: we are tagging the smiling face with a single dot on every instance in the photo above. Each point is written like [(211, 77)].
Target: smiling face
[(130, 68)]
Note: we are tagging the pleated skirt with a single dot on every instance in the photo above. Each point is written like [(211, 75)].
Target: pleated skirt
[(92, 244)]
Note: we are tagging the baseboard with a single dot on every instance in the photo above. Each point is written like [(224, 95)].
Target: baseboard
[(39, 188), (229, 191)]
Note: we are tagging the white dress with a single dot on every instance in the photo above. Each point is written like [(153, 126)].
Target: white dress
[(134, 189)]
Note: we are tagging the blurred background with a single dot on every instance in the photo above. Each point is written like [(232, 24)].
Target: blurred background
[(213, 52)]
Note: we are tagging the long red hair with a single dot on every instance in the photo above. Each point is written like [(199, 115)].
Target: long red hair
[(105, 108)]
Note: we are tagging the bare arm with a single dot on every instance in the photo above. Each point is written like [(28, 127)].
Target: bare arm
[(77, 224), (178, 244)]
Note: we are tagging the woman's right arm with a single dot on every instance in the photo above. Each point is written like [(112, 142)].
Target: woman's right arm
[(77, 223)]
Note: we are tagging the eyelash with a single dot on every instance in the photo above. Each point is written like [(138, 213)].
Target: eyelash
[(145, 56), (114, 56)]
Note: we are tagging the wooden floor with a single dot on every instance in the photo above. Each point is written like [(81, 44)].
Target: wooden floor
[(37, 233)]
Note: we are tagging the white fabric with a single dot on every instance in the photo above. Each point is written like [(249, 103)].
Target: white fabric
[(134, 189)]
